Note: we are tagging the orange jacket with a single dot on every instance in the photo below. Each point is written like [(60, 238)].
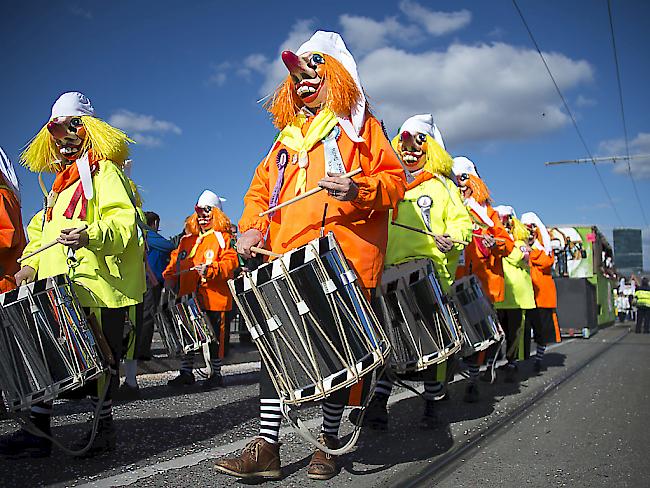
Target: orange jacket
[(213, 290), (543, 284), (360, 226), (488, 269), (12, 238)]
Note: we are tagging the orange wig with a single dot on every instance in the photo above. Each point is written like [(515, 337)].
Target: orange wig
[(220, 223), (342, 94), (480, 191)]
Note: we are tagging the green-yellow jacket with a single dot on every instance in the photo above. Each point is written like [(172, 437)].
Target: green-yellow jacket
[(642, 298), (110, 271), (519, 291), (447, 215)]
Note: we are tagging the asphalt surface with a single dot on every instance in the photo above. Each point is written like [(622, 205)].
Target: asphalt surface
[(588, 432)]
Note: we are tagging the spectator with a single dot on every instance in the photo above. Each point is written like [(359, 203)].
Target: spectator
[(642, 299), (622, 305)]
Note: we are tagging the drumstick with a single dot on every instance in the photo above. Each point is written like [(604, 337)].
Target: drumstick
[(500, 239), (51, 244), (271, 254), (308, 193), (426, 232)]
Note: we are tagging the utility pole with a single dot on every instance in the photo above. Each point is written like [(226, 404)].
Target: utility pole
[(604, 159)]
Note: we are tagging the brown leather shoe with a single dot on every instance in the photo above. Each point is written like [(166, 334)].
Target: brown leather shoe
[(323, 465), (259, 459)]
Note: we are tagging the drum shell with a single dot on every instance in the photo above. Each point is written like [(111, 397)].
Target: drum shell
[(46, 344), (314, 327)]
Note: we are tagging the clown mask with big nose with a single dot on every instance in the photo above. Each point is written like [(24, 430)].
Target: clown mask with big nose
[(306, 71), (412, 149), (69, 136)]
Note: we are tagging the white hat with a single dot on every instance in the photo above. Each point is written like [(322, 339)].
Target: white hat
[(8, 172), (463, 165), (505, 210), (331, 43), (532, 218), (72, 103), (424, 124), (210, 199)]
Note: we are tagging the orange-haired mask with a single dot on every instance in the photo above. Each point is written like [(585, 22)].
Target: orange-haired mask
[(533, 234), (69, 135), (412, 150), (307, 76)]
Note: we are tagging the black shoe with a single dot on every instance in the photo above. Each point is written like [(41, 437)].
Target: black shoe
[(471, 393), (430, 419), (105, 440), (512, 373), (376, 416), (183, 379), (22, 444), (128, 392), (489, 375), (215, 381), (538, 367)]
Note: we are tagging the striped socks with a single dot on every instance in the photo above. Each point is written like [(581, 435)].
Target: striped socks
[(270, 419), (473, 371), (187, 363), (332, 413), (433, 390), (106, 412), (383, 387), (540, 353)]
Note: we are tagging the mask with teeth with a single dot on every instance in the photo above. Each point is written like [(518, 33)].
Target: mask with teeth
[(204, 217), (308, 79), (412, 150), (69, 135)]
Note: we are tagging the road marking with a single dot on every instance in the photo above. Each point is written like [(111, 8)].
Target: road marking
[(193, 459)]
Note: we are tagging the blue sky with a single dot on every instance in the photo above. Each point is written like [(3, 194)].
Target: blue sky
[(183, 79)]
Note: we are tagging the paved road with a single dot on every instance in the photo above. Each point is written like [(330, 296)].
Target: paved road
[(168, 439)]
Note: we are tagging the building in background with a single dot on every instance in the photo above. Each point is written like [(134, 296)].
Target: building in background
[(628, 251)]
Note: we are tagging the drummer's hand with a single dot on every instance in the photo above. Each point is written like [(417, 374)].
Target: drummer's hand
[(489, 241), (343, 189), (444, 243), (73, 239), (250, 238), (201, 269), (25, 275)]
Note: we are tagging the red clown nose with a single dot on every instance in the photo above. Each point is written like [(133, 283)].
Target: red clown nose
[(291, 61), (405, 136), (57, 130)]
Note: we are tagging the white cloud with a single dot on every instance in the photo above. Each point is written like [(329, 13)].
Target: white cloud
[(639, 145), (79, 11), (584, 102), (142, 127), (435, 23), (363, 34), (219, 73), (476, 92), (253, 63)]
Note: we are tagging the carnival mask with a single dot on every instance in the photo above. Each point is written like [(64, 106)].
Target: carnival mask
[(307, 76), (204, 216), (463, 185), (532, 230), (69, 135), (412, 149)]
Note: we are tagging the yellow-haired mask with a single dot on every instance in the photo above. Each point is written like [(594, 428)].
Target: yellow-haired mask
[(421, 151), (66, 139), (518, 230)]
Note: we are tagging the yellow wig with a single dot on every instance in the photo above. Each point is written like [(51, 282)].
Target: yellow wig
[(220, 222), (106, 141), (438, 160), (519, 230), (342, 94)]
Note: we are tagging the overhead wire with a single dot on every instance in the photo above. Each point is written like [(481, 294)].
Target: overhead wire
[(568, 110), (620, 98)]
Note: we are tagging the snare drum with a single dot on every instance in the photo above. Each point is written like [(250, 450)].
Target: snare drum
[(46, 344), (311, 322), (476, 315), (419, 321)]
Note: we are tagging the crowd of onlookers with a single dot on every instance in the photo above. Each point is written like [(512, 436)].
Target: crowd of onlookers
[(632, 302)]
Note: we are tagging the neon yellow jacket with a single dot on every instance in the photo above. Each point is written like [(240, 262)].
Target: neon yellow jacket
[(447, 215), (110, 270), (642, 298), (519, 291)]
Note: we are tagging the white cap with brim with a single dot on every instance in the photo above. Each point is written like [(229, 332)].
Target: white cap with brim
[(505, 210), (332, 44), (532, 218), (210, 199), (72, 104), (423, 124), (463, 165)]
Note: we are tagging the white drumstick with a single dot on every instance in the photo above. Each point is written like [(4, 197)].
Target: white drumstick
[(51, 244)]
